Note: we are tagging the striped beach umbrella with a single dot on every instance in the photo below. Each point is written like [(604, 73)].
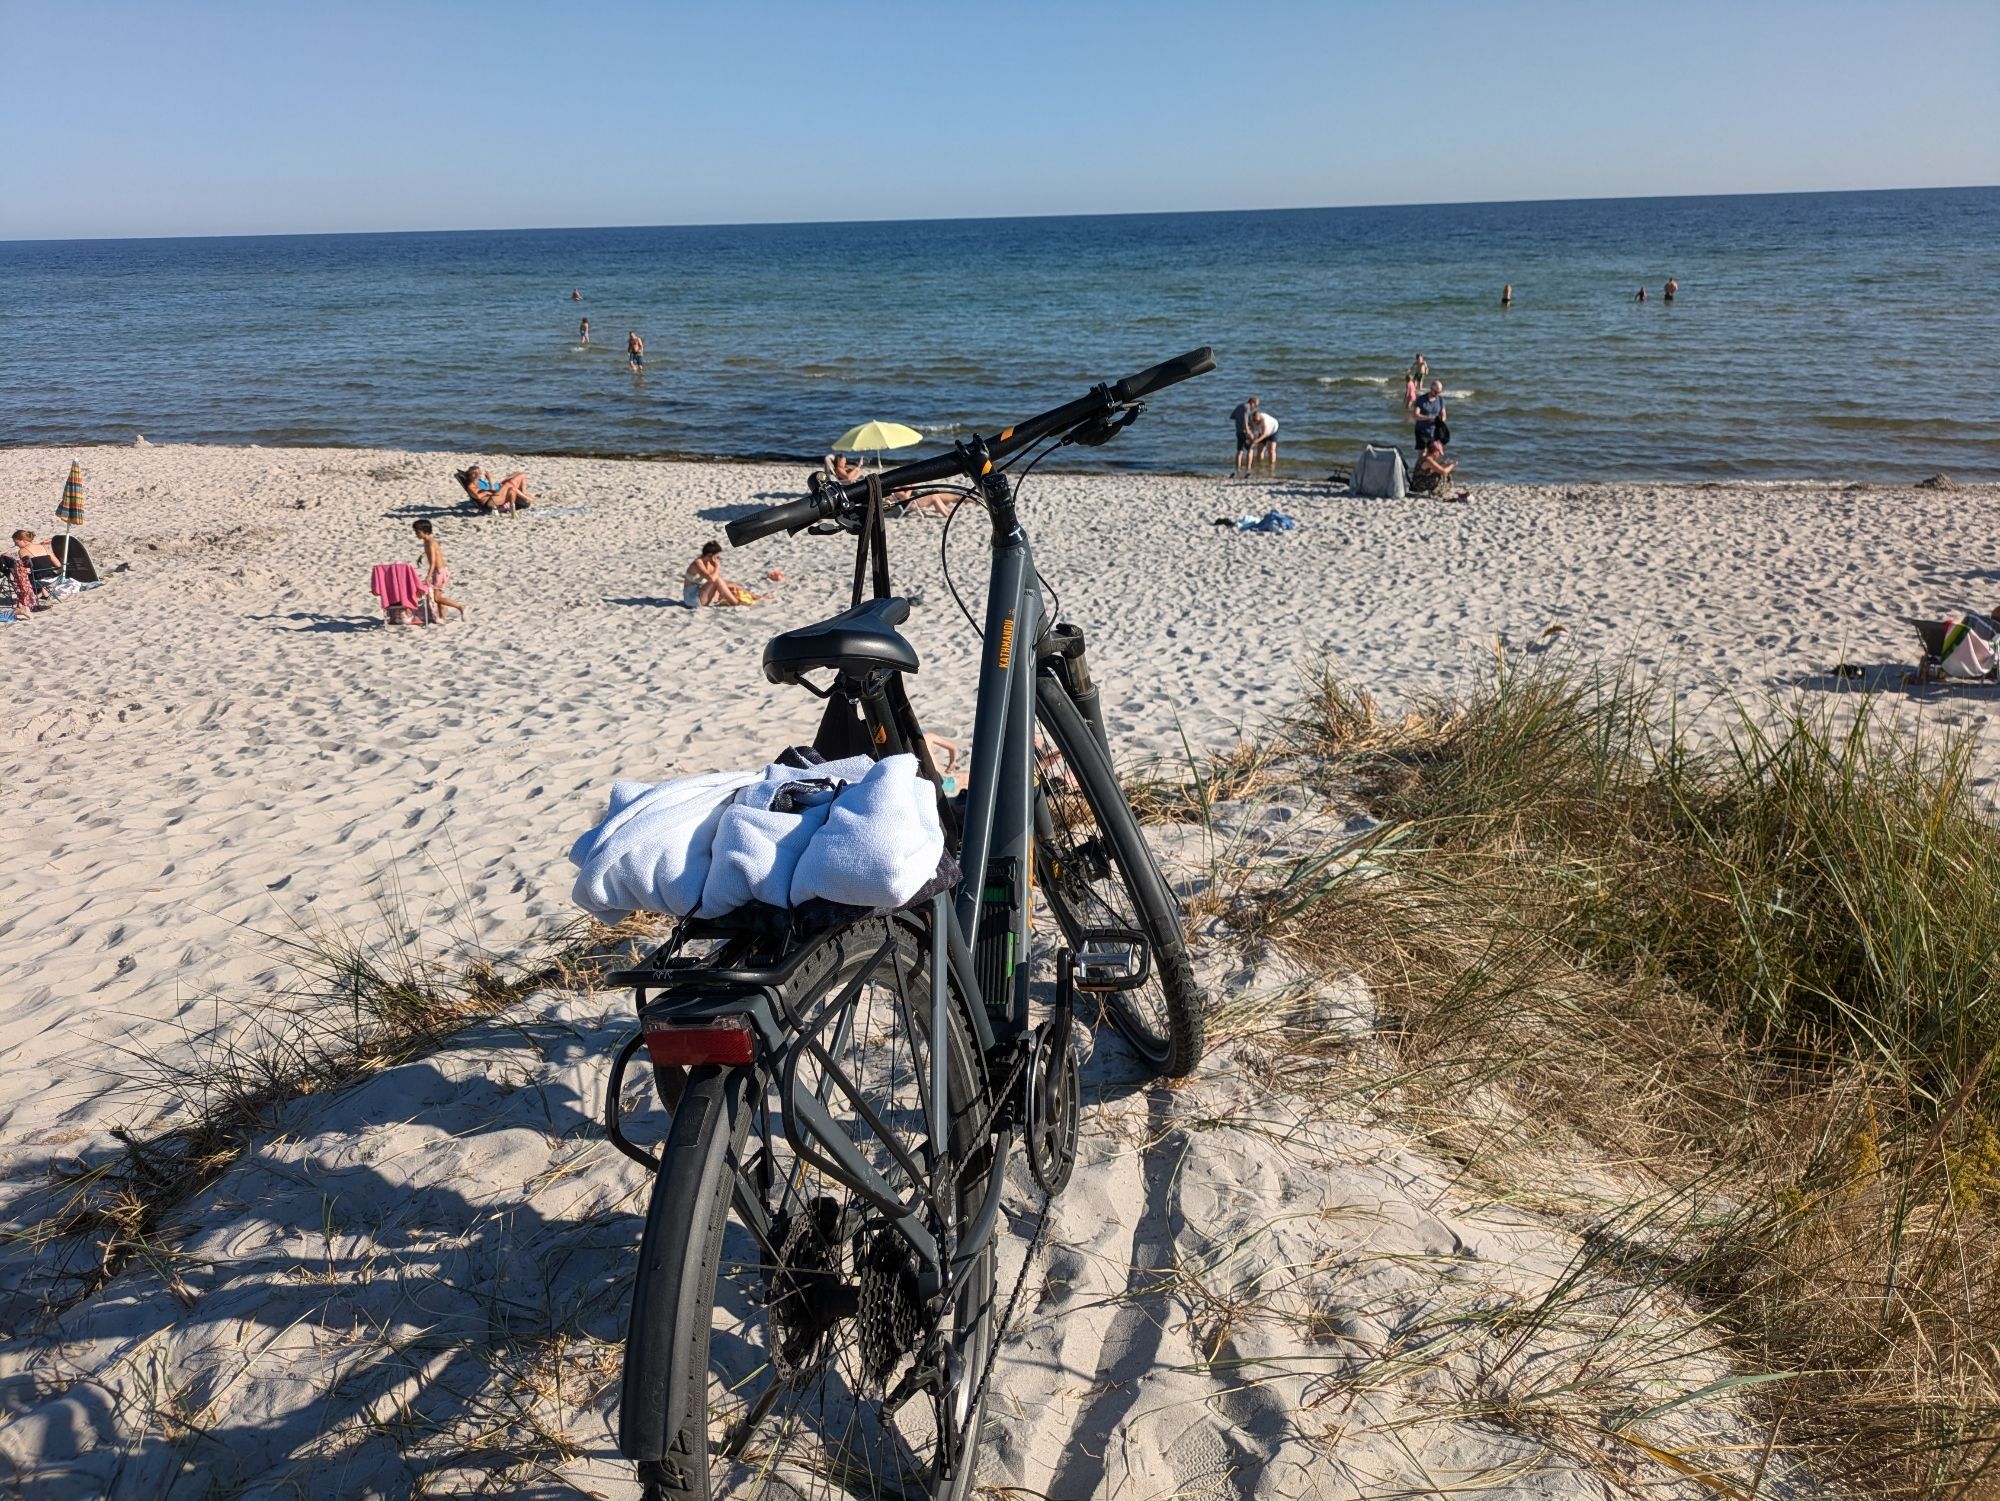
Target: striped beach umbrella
[(69, 510)]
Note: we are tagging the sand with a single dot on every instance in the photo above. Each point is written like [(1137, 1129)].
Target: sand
[(224, 744)]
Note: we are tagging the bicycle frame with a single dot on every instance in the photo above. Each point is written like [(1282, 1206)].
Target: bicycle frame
[(996, 860)]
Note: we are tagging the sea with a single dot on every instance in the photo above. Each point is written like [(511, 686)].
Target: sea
[(1838, 336)]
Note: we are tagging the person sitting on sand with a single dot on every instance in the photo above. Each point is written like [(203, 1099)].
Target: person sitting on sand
[(703, 583), (842, 468), (1432, 470), (490, 495), (930, 503), (431, 566)]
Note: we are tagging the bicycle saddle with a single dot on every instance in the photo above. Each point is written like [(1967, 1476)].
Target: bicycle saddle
[(855, 639)]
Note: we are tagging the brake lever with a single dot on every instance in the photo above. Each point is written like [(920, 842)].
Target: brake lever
[(1101, 430)]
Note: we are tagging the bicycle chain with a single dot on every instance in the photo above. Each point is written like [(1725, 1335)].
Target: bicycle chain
[(1006, 1319)]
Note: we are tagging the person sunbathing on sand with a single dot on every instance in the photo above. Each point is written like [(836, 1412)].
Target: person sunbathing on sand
[(492, 495), (930, 503), (703, 583), (431, 565), (842, 468)]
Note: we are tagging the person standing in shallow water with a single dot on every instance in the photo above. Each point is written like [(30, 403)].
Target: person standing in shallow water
[(1642, 295), (1507, 295), (583, 332), (635, 351), (1245, 419), (1671, 288)]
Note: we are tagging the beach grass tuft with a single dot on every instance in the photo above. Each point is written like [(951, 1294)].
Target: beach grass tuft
[(1758, 973), (350, 1003)]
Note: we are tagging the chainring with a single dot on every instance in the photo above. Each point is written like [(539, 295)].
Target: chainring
[(1055, 1096)]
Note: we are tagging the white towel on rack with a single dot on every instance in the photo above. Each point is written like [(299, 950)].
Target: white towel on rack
[(651, 852), (881, 843), (757, 847)]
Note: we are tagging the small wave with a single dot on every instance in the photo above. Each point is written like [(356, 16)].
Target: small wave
[(1352, 380), (1460, 395)]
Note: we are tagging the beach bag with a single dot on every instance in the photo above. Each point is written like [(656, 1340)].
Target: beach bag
[(1379, 473), (1971, 647)]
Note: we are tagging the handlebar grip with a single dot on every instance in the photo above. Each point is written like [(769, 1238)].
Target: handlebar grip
[(1166, 373), (789, 517)]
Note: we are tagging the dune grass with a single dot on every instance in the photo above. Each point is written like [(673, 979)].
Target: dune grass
[(1759, 974), (351, 1003)]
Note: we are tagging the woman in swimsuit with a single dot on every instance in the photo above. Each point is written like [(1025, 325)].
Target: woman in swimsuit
[(508, 494), (703, 583), (431, 565)]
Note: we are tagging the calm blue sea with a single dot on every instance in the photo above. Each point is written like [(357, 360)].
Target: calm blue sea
[(1851, 335)]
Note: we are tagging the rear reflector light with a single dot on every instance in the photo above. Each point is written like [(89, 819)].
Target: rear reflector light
[(691, 1044)]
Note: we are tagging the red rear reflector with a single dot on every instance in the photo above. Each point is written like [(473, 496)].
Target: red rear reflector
[(728, 1039)]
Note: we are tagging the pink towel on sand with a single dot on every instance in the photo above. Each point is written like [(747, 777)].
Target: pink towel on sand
[(396, 584)]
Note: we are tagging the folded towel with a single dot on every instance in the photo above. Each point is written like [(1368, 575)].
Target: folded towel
[(881, 843), (757, 851), (652, 851)]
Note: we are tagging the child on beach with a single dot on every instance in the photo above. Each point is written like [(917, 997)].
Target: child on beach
[(431, 566), (703, 583)]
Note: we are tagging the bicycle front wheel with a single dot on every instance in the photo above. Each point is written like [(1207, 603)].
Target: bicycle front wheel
[(1095, 869), (780, 1344)]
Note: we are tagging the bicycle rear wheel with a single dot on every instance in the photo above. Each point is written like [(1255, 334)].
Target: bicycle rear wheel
[(1095, 869), (779, 1343)]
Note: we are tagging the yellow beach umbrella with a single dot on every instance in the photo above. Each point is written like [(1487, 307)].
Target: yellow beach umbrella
[(873, 437)]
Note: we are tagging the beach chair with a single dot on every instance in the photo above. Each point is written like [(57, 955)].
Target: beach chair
[(73, 558), (1936, 638)]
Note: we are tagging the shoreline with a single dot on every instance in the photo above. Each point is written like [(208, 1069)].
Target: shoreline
[(1295, 474)]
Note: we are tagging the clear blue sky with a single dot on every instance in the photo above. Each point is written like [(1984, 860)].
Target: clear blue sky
[(272, 116)]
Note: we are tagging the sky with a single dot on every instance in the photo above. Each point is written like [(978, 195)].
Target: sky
[(307, 116)]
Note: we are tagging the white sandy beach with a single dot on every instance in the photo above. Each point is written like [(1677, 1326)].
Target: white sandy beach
[(224, 742)]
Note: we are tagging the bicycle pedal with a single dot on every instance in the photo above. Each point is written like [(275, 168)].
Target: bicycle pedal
[(1111, 959)]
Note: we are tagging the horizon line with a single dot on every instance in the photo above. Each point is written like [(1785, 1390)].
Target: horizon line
[(329, 234)]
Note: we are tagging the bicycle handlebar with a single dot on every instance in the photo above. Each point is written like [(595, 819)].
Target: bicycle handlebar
[(830, 498)]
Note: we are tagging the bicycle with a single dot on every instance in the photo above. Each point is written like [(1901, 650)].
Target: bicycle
[(813, 1309)]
